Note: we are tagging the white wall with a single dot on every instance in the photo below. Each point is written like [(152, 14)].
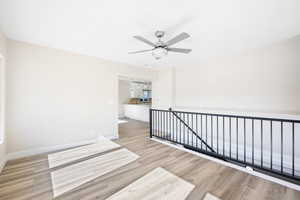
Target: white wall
[(124, 95), (57, 98), (2, 101), (259, 80), (163, 89)]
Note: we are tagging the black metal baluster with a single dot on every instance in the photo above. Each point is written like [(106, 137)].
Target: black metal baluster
[(172, 131), (173, 128), (261, 143), (212, 131), (252, 142), (197, 130), (188, 131), (223, 136), (185, 140), (217, 135), (180, 126), (244, 140), (293, 149), (164, 127), (237, 138), (160, 124), (281, 147), (167, 125), (271, 137), (201, 130), (176, 129), (182, 129), (206, 132), (153, 122), (170, 125), (229, 137), (157, 123), (193, 129)]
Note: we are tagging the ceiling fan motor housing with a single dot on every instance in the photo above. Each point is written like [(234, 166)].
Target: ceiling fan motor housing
[(159, 34)]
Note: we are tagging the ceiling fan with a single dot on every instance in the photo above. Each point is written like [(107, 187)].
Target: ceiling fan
[(161, 48)]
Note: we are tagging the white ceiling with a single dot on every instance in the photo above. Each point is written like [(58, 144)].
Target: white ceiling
[(104, 28)]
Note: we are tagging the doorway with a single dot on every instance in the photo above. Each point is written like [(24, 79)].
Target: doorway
[(134, 103)]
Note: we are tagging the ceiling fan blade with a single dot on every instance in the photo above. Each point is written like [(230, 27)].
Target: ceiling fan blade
[(140, 38), (179, 50), (142, 51), (178, 38)]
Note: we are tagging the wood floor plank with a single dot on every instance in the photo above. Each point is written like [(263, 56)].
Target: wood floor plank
[(68, 178), (64, 157), (156, 185)]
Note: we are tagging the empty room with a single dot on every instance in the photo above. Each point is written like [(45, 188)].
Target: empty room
[(149, 100)]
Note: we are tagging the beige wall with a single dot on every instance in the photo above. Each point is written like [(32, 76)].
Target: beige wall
[(58, 98), (260, 80), (2, 101)]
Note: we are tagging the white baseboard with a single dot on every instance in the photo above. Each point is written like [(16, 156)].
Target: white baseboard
[(42, 150), (36, 151), (2, 163), (254, 173), (111, 137)]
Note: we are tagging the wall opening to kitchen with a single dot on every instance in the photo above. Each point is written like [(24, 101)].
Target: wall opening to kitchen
[(135, 100)]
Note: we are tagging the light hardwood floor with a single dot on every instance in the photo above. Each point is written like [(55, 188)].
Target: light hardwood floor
[(29, 178), (70, 177), (158, 184), (64, 157)]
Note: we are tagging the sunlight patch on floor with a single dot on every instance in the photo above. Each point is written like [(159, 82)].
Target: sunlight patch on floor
[(120, 121)]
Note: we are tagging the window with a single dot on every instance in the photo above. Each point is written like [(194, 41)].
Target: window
[(2, 75)]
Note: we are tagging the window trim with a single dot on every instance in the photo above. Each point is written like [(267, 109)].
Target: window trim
[(2, 98)]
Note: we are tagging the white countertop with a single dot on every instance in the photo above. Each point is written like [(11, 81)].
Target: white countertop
[(146, 105)]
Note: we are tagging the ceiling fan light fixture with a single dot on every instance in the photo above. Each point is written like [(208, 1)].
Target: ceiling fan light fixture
[(159, 52), (160, 48)]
